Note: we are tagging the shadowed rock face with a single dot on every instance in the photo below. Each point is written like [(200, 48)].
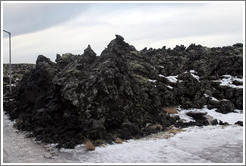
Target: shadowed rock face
[(122, 91)]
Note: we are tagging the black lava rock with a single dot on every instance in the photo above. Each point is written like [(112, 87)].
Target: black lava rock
[(121, 92), (240, 123)]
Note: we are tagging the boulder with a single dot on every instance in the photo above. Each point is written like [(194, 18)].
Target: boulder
[(225, 106), (240, 123), (214, 122), (197, 115)]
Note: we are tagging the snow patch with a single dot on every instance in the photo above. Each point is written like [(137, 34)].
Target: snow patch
[(172, 78), (12, 85), (170, 87), (230, 118), (154, 81), (193, 72), (206, 95), (213, 98), (228, 81), (160, 75)]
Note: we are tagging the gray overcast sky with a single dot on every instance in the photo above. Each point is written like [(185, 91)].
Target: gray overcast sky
[(51, 28)]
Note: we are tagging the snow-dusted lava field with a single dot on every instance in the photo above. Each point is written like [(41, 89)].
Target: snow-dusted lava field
[(208, 144)]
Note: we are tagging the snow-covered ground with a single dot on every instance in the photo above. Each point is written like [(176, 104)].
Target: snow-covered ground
[(208, 144), (202, 145), (230, 118)]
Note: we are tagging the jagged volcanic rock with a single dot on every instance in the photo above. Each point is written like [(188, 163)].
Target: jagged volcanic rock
[(123, 91)]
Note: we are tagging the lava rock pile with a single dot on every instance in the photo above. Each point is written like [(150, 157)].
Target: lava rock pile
[(122, 92)]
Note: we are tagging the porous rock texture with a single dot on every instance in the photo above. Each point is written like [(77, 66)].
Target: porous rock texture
[(122, 92)]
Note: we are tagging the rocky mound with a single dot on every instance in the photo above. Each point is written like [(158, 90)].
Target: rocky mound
[(18, 70), (123, 92)]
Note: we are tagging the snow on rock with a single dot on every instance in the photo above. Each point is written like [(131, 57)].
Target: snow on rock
[(193, 72), (170, 87), (230, 118), (172, 78), (154, 81), (228, 81), (12, 85), (212, 98), (160, 75)]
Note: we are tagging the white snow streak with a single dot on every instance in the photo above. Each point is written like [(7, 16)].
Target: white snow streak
[(193, 72), (172, 78), (154, 81), (170, 87), (228, 81)]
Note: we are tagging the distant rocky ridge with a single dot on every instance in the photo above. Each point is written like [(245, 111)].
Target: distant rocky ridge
[(123, 92)]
